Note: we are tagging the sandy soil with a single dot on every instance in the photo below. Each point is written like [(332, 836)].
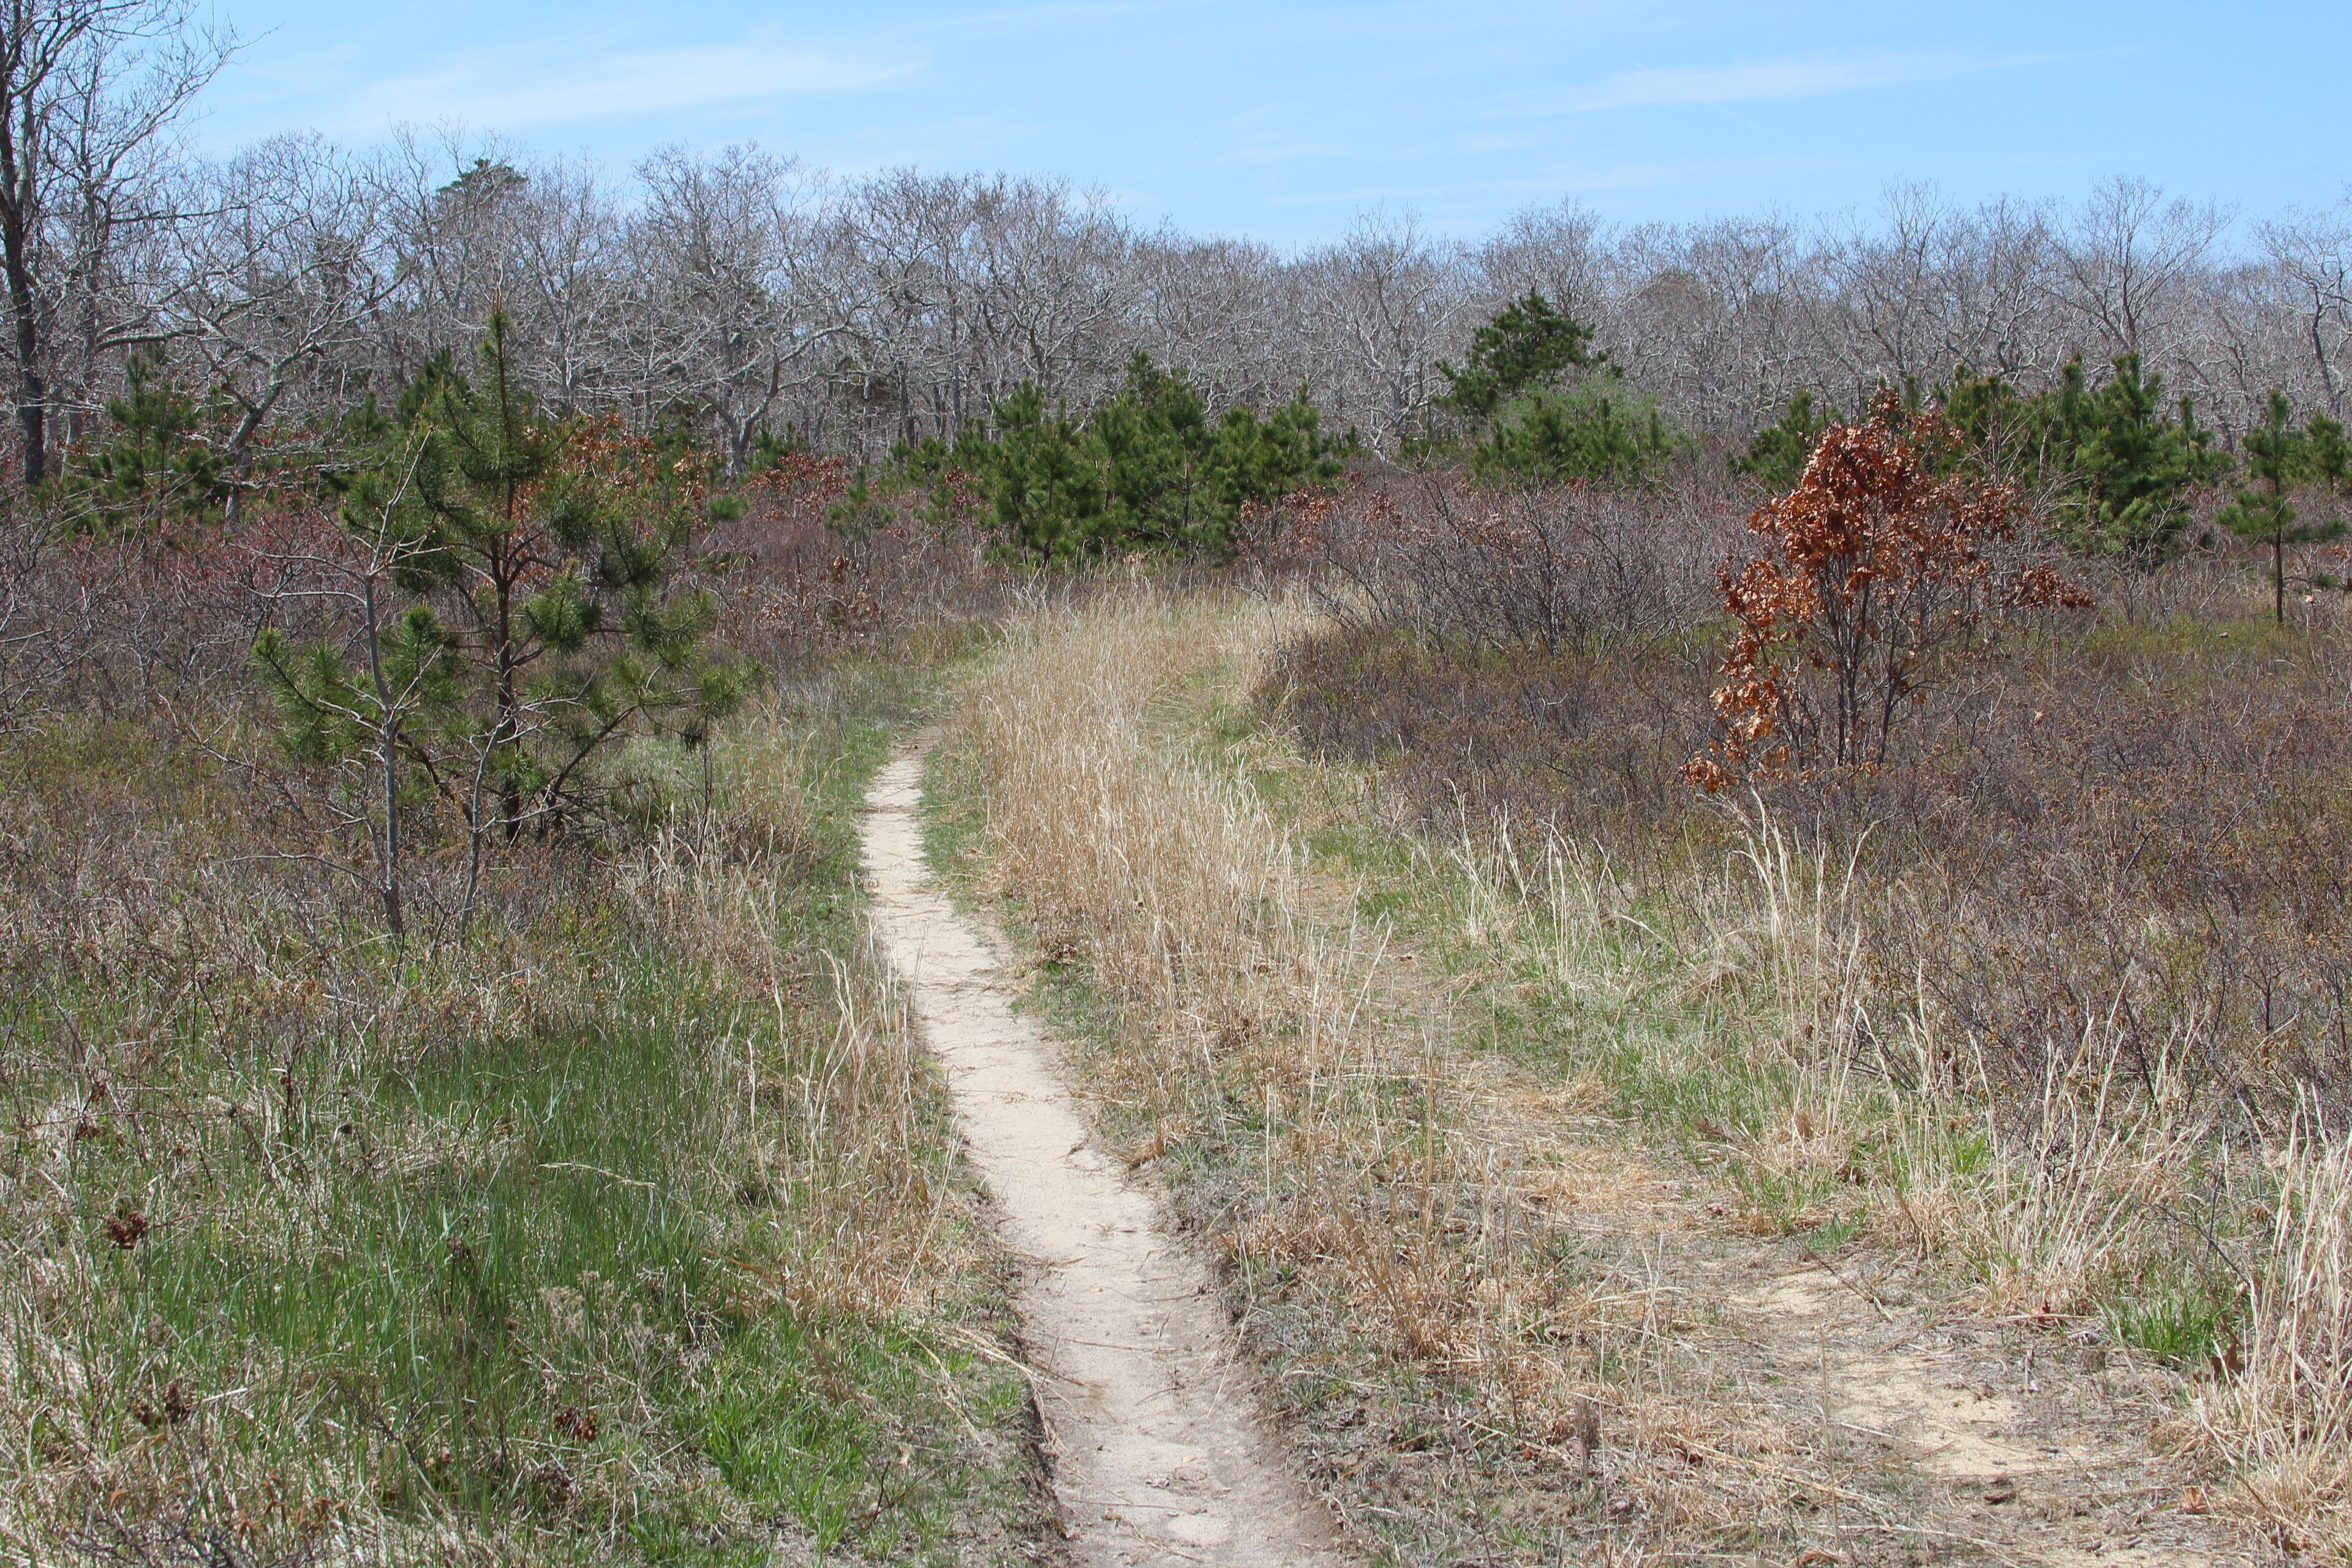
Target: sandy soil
[(1156, 1449)]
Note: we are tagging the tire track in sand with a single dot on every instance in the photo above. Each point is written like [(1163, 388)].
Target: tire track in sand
[(1159, 1455)]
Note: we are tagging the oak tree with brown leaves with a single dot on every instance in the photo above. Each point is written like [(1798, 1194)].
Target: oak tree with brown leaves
[(1879, 575)]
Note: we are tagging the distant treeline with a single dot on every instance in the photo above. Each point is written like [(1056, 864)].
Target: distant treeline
[(734, 298)]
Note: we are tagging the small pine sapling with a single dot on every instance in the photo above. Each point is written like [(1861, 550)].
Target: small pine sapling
[(2327, 464), (2276, 454), (513, 590), (359, 710)]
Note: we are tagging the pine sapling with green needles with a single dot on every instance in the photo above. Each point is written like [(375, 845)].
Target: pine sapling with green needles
[(2276, 453), (512, 580)]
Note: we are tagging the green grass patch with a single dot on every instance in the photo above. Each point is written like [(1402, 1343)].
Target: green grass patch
[(494, 1243)]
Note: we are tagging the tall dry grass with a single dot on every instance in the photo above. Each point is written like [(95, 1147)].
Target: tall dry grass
[(2285, 1420), (2058, 1003), (2113, 1191), (2112, 1199), (1399, 1212)]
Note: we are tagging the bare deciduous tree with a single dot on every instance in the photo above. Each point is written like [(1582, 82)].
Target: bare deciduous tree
[(88, 88), (287, 268), (2124, 259), (714, 245), (2313, 257), (1382, 306)]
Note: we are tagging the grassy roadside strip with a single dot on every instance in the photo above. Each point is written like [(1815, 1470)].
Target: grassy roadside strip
[(630, 1227)]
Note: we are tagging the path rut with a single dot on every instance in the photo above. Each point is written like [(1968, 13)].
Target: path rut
[(1158, 1453)]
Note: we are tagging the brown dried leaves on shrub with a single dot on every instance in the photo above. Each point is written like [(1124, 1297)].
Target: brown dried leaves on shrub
[(1879, 575)]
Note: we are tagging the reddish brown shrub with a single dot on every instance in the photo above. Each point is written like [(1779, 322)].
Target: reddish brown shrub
[(1879, 575)]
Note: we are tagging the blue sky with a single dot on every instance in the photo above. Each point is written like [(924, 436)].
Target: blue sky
[(1283, 119)]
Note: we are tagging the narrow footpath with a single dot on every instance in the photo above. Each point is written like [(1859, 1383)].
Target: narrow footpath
[(1158, 1453)]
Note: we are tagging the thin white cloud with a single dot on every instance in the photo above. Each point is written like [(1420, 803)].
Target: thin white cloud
[(1659, 175), (643, 82), (1551, 182), (1052, 15), (1280, 152), (1649, 87)]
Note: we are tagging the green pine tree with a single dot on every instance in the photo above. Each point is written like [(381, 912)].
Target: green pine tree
[(1603, 431), (1045, 485), (2003, 435), (1258, 459), (861, 512), (1177, 481), (2132, 462), (1527, 345), (156, 464), (1159, 453), (1531, 422), (2326, 455), (1776, 456), (1150, 470), (535, 558), (2276, 454)]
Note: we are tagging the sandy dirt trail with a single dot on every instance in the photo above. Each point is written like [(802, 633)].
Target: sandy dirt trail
[(1158, 1453)]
